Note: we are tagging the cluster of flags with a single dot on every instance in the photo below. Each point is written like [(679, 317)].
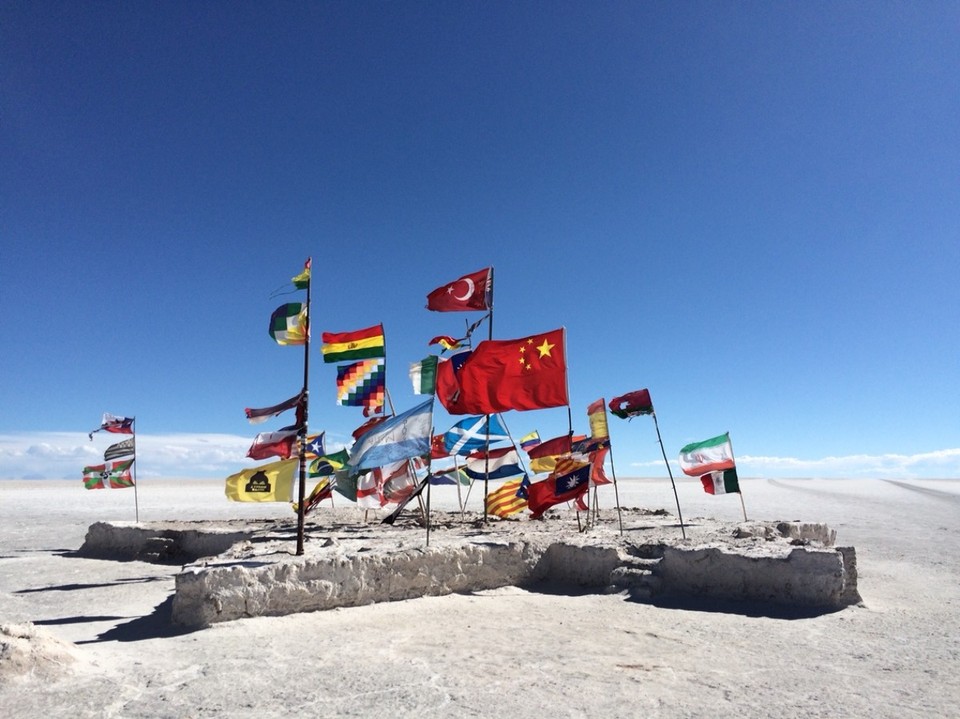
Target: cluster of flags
[(478, 383), (116, 472)]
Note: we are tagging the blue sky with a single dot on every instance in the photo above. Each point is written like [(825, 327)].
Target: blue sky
[(752, 209)]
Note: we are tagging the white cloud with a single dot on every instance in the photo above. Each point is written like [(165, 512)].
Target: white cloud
[(939, 464), (62, 455)]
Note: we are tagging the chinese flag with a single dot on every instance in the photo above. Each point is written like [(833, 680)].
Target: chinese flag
[(470, 292), (499, 375)]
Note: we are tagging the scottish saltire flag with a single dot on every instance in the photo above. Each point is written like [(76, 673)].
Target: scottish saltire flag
[(495, 464), (288, 324), (118, 450), (470, 434), (402, 437), (362, 384), (112, 475)]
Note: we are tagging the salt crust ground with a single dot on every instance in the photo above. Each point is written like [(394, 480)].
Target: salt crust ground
[(508, 652)]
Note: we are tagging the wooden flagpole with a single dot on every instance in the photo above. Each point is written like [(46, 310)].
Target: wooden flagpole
[(670, 472), (739, 488), (303, 426)]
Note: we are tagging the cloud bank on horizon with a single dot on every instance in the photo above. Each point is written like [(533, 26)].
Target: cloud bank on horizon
[(62, 455)]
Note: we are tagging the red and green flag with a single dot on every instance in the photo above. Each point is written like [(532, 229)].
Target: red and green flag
[(110, 475), (367, 343)]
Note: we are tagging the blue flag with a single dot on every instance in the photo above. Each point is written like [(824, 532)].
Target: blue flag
[(402, 437), (470, 434)]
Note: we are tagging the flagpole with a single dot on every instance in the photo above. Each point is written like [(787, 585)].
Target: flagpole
[(613, 468), (670, 472), (739, 488), (136, 497), (429, 486), (303, 427), (486, 468)]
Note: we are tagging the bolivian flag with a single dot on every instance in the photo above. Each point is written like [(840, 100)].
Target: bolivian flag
[(267, 483), (362, 344)]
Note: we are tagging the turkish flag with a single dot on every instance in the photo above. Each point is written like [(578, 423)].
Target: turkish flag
[(499, 375), (470, 292)]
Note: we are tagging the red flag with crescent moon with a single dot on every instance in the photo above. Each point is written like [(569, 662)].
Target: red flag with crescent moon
[(470, 292)]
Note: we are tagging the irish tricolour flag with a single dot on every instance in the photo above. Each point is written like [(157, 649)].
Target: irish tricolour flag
[(711, 455)]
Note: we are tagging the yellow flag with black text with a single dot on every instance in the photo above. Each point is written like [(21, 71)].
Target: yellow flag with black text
[(267, 483)]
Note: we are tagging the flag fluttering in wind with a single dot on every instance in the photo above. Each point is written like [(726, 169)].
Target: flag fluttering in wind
[(447, 342), (114, 424), (500, 375), (472, 433), (362, 384), (258, 416), (557, 488), (112, 475), (314, 445), (323, 490), (368, 343), (392, 517), (303, 279), (504, 501), (597, 417), (288, 324), (721, 482), (632, 404), (452, 475), (529, 441), (328, 464), (267, 483), (711, 455), (543, 456), (401, 437), (120, 449), (274, 444), (423, 375), (495, 464), (470, 292)]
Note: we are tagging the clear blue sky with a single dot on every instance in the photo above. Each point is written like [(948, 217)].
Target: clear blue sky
[(752, 209)]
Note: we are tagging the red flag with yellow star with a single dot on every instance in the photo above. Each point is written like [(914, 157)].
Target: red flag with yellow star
[(522, 374)]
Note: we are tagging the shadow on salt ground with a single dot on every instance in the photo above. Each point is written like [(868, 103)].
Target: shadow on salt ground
[(690, 604), (742, 608), (99, 585), (82, 619), (156, 625)]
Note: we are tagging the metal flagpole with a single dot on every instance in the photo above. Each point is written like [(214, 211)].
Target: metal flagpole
[(136, 497), (675, 495), (303, 426), (486, 468)]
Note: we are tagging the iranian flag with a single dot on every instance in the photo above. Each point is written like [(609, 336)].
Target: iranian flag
[(723, 482), (711, 455)]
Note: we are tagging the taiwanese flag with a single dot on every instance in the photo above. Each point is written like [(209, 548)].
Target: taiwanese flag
[(557, 489), (500, 375), (470, 292)]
